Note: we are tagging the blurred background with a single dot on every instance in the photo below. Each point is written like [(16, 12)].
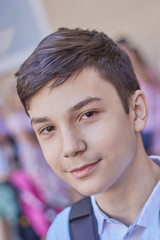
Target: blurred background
[(30, 194)]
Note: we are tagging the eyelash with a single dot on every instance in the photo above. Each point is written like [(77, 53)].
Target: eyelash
[(42, 131), (49, 129), (90, 116)]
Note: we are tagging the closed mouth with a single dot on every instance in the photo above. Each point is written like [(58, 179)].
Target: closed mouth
[(84, 170)]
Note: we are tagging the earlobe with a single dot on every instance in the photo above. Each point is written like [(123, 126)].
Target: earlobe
[(140, 107)]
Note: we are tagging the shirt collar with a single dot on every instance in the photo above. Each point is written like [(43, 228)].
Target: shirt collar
[(150, 212), (148, 215), (100, 216)]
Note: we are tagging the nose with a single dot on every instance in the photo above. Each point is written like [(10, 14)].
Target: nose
[(72, 144)]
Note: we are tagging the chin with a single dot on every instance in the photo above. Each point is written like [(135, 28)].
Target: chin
[(89, 191)]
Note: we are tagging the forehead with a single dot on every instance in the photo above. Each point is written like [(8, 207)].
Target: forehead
[(86, 84)]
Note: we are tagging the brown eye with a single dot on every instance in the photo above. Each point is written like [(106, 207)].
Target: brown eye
[(47, 129), (88, 114)]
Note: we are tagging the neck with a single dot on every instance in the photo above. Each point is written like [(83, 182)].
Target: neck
[(125, 199)]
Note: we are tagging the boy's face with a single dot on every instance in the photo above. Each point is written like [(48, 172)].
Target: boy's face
[(86, 136)]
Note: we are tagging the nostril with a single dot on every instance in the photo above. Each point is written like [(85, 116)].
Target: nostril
[(75, 149)]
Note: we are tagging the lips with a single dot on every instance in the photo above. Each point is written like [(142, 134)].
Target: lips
[(84, 170)]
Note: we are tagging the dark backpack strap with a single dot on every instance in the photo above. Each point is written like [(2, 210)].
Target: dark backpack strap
[(82, 222)]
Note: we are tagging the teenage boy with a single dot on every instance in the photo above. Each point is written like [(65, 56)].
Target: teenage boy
[(87, 110)]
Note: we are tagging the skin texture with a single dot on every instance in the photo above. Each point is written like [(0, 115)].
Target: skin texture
[(92, 144)]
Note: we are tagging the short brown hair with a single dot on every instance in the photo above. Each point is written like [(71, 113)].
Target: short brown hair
[(67, 51)]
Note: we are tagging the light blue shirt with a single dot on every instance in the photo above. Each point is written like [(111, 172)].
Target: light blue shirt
[(145, 227)]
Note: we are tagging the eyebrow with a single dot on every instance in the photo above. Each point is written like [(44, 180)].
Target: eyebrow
[(76, 107), (38, 120), (83, 103)]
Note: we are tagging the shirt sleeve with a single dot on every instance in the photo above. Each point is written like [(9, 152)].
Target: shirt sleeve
[(59, 229)]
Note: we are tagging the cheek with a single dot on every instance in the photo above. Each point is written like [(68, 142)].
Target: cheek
[(103, 134), (51, 155), (115, 136)]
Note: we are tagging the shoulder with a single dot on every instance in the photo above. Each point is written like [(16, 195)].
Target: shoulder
[(59, 229)]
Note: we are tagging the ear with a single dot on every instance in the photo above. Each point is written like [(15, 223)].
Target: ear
[(139, 107)]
